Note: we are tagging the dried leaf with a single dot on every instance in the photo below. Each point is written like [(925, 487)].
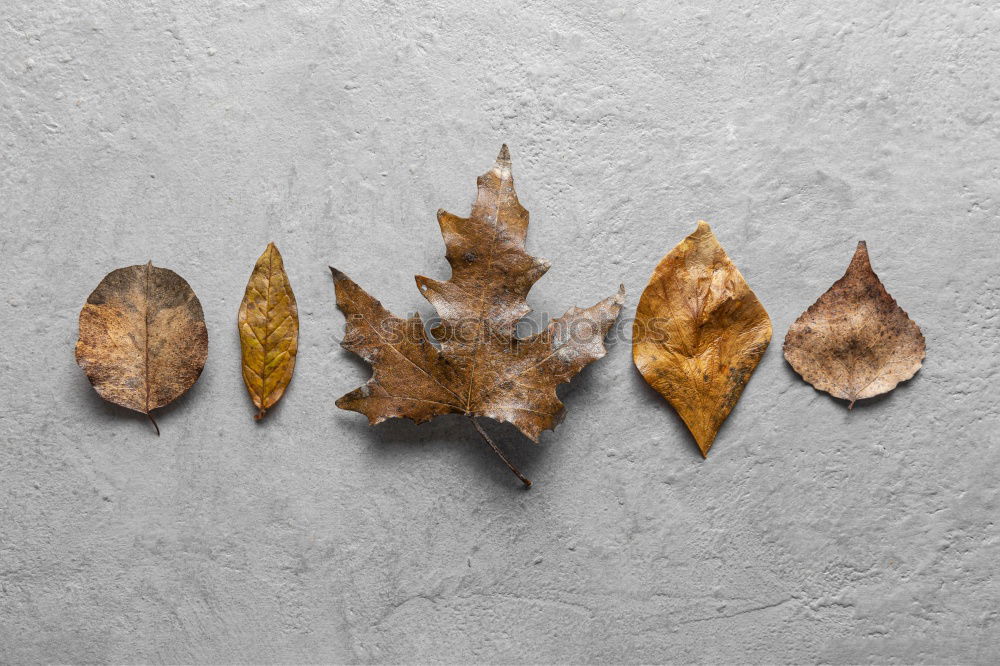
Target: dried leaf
[(143, 340), (482, 368), (699, 333), (269, 331), (855, 342)]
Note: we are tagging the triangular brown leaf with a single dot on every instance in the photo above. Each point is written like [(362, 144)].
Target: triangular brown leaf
[(855, 342), (482, 368), (699, 333), (143, 340), (269, 331)]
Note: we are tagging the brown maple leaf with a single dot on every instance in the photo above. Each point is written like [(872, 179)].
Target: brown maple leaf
[(699, 333), (854, 342), (481, 368)]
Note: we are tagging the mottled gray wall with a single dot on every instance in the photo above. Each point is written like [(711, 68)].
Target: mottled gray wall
[(193, 133)]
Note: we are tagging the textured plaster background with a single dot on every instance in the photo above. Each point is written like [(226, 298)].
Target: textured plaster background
[(193, 133)]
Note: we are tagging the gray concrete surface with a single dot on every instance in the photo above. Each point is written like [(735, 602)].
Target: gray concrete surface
[(193, 133)]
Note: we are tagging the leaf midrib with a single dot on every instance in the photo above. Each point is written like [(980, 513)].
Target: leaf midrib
[(481, 318)]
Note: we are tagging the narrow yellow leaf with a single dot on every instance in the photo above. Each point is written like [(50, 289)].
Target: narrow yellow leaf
[(269, 331)]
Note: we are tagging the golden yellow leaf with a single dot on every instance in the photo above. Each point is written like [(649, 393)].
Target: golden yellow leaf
[(143, 340), (269, 331), (699, 333)]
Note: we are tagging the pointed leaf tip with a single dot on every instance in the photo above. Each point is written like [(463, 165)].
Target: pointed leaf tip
[(861, 258), (504, 156), (337, 275)]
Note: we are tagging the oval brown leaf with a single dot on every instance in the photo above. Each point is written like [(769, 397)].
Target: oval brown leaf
[(269, 331), (143, 340), (699, 333), (854, 342)]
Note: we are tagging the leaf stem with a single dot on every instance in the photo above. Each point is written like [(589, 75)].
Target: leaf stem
[(260, 414), (496, 449), (149, 415)]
